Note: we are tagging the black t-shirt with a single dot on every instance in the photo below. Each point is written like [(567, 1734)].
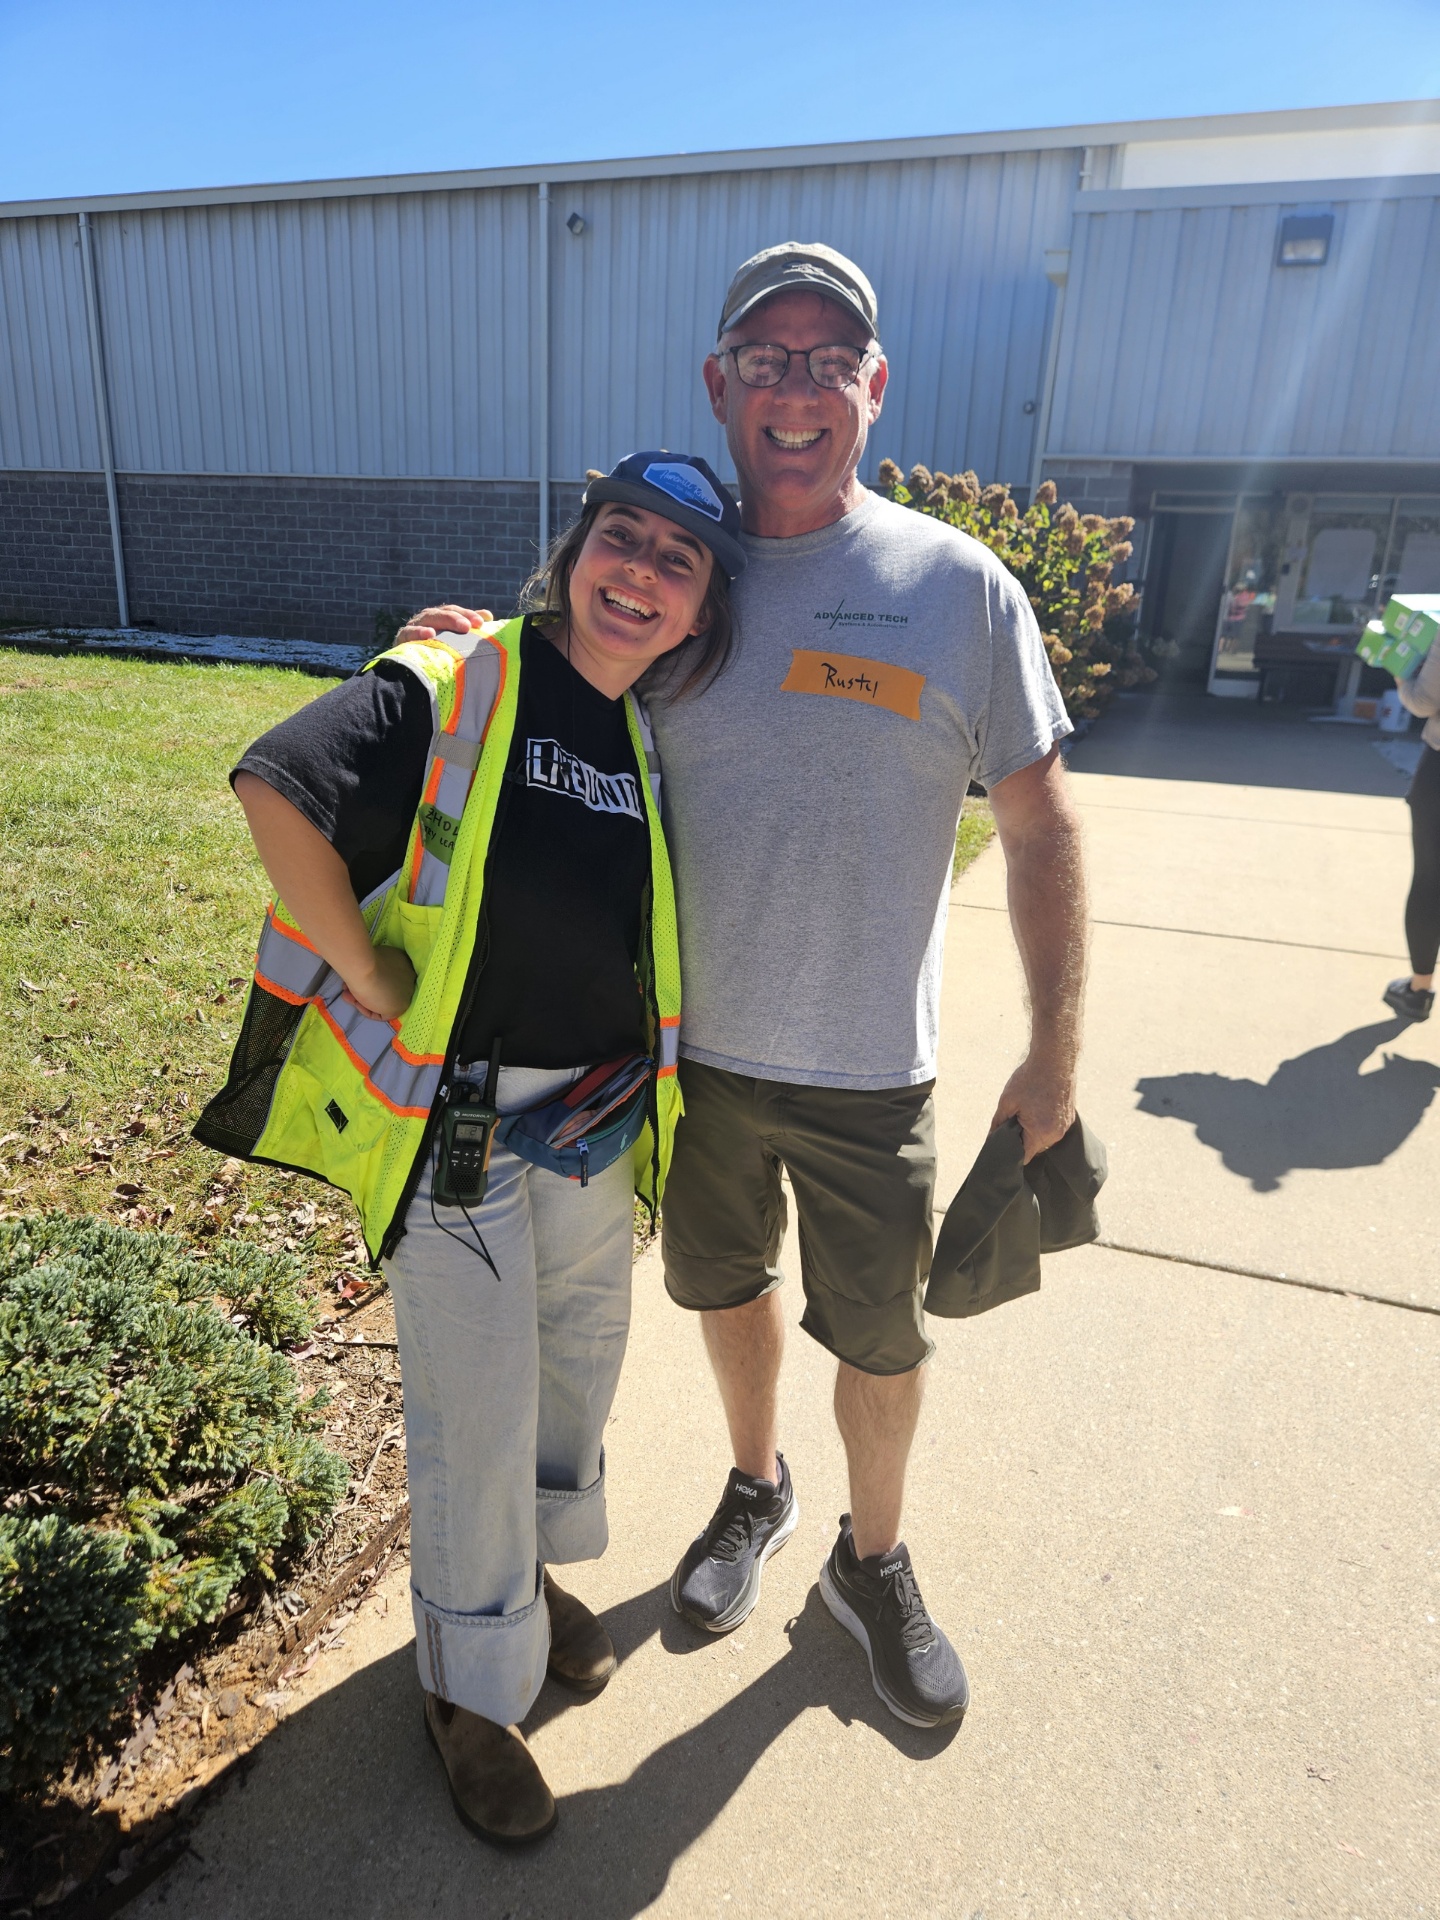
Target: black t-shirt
[(568, 863)]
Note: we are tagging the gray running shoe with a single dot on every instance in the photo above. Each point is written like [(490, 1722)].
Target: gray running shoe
[(1411, 1003), (717, 1581), (914, 1668)]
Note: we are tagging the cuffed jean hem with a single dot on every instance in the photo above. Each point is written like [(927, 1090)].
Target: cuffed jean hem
[(572, 1526), (491, 1664)]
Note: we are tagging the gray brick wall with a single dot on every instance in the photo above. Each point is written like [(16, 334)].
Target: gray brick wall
[(55, 562), (1094, 486), (283, 558)]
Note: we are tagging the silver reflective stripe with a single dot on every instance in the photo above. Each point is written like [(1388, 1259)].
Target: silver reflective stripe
[(458, 752), (454, 788), (298, 971), (647, 738), (377, 894), (430, 882), (457, 755), (409, 1085), (669, 1045), (404, 1085), (367, 1036)]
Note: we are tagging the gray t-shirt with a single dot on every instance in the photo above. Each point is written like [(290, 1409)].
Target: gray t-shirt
[(812, 792)]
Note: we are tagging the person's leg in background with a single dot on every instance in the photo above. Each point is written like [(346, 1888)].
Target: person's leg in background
[(1414, 998), (1422, 908)]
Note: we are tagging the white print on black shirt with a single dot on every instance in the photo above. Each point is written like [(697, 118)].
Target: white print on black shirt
[(548, 765)]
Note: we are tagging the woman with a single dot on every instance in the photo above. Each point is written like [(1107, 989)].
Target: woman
[(467, 995), (1413, 998)]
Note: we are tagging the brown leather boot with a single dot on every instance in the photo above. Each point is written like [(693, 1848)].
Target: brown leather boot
[(497, 1789), (582, 1654)]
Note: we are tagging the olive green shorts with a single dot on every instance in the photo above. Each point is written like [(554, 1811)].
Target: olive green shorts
[(862, 1169)]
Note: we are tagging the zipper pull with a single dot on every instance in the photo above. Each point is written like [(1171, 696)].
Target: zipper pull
[(584, 1163)]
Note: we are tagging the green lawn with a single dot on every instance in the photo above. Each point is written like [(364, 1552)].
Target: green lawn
[(130, 907), (977, 829)]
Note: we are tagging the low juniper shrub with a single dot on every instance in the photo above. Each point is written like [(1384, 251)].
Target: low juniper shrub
[(154, 1453)]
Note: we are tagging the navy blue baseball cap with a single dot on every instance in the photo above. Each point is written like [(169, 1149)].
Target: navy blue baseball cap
[(683, 488)]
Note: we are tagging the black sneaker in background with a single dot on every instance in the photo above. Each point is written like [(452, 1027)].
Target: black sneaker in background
[(718, 1579), (915, 1670), (1411, 1003)]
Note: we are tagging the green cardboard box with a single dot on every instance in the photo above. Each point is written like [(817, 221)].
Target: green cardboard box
[(1413, 616), (1379, 648)]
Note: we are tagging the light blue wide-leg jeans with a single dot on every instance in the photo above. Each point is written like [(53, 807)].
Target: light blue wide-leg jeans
[(508, 1385)]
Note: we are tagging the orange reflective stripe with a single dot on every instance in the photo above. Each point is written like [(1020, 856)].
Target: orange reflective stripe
[(281, 993), (417, 855), (286, 964), (290, 933), (360, 1066), (407, 1090), (416, 1059), (458, 698)]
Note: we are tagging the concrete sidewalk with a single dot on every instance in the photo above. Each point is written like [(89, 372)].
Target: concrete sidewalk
[(1181, 1522)]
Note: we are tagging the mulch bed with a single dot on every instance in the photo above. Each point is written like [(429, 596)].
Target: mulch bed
[(118, 1820)]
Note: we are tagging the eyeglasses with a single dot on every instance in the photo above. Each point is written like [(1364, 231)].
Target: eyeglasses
[(833, 368)]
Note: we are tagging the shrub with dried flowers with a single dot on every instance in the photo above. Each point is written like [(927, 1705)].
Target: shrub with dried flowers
[(1066, 562)]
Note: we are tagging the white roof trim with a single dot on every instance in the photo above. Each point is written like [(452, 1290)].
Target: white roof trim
[(1394, 113), (1260, 193)]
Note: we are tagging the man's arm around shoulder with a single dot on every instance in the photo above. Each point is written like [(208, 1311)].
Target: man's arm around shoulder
[(1045, 881)]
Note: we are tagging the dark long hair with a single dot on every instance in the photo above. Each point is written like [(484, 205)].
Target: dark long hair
[(687, 669)]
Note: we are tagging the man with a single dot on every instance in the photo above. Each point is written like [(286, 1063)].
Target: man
[(812, 792)]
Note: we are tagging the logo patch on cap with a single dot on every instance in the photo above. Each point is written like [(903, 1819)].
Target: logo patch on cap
[(686, 485)]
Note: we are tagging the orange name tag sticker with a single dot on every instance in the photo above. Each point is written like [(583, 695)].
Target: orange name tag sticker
[(848, 676)]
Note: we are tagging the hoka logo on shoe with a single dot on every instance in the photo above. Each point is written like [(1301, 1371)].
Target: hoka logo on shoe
[(746, 1493), (889, 1567)]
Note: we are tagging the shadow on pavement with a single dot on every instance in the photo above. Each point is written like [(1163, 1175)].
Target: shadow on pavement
[(1181, 733), (1317, 1110), (355, 1801)]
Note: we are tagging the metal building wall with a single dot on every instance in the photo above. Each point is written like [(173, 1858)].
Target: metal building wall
[(952, 245), (1183, 340), (394, 335), (370, 336), (47, 399)]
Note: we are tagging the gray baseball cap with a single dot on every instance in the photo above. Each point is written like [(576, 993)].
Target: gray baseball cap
[(799, 265)]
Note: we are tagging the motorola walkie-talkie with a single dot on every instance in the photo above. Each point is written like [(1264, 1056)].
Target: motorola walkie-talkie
[(467, 1133)]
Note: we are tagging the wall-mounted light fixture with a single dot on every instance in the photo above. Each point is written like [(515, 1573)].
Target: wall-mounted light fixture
[(1304, 239), (577, 224)]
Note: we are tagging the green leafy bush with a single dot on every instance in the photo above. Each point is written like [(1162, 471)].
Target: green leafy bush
[(1065, 561), (153, 1454)]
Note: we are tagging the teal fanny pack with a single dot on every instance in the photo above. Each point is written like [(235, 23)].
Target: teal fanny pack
[(590, 1126)]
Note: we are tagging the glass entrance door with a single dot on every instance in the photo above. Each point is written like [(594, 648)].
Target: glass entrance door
[(1247, 603), (1184, 574)]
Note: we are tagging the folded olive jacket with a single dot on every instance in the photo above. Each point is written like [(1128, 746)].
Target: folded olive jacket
[(1007, 1214)]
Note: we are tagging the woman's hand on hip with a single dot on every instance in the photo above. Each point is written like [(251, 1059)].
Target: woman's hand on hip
[(387, 986), (447, 619)]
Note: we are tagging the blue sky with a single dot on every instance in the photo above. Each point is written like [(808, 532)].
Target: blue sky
[(112, 96)]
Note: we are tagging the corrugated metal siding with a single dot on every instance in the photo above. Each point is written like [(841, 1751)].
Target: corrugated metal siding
[(47, 400), (953, 247), (395, 334), (1182, 338), (385, 336)]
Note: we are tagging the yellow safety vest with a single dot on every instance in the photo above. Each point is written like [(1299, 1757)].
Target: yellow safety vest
[(319, 1086)]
